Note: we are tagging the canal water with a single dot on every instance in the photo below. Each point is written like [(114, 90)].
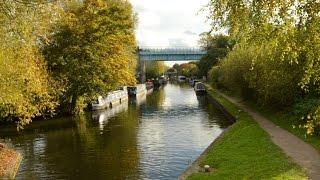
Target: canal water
[(153, 137)]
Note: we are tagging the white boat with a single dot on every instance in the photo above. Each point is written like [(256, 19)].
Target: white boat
[(113, 99), (182, 79), (200, 89)]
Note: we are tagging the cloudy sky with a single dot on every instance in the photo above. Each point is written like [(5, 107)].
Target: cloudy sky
[(170, 22)]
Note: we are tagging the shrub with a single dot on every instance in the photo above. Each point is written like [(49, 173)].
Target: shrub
[(233, 70), (305, 106), (313, 122), (214, 76), (275, 81)]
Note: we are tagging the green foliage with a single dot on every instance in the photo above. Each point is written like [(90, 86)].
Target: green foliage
[(233, 70), (256, 72), (155, 69), (172, 70), (292, 119), (176, 67), (283, 38), (217, 48), (253, 156), (26, 89), (62, 52), (275, 82), (305, 106), (92, 51), (214, 76), (188, 69), (313, 122)]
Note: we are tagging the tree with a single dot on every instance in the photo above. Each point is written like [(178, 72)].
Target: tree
[(155, 69), (176, 67), (282, 38), (189, 69), (93, 51), (26, 88), (217, 48)]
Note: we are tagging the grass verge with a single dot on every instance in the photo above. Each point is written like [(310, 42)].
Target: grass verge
[(283, 119), (247, 152), (288, 122)]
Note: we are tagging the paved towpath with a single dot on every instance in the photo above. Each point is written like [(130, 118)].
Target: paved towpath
[(301, 152)]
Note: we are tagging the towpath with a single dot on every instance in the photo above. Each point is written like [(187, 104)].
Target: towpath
[(301, 152)]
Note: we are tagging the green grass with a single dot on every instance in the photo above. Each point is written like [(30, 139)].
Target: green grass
[(288, 122), (283, 119), (247, 152)]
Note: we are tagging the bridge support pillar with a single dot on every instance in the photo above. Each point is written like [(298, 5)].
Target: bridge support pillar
[(142, 72)]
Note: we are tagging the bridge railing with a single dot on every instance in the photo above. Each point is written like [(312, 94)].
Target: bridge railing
[(171, 50)]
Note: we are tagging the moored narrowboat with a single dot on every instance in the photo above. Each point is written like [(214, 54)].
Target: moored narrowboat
[(138, 90), (112, 99), (200, 89)]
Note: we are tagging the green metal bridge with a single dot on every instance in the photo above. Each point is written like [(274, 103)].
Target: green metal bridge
[(170, 54)]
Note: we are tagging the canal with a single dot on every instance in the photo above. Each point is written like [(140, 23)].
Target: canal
[(154, 137)]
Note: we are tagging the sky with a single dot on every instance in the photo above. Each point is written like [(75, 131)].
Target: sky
[(164, 23)]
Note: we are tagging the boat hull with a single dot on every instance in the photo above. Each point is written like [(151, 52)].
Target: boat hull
[(201, 92), (113, 99)]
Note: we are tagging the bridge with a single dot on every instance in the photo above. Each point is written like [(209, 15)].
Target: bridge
[(170, 54), (167, 54)]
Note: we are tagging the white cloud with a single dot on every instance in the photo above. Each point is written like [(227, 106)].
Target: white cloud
[(169, 22), (188, 32)]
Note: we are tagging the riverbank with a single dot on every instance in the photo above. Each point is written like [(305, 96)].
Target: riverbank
[(284, 119), (246, 151), (288, 122), (9, 163)]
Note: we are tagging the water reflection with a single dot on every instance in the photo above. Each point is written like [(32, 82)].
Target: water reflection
[(157, 99), (175, 132), (102, 116), (139, 100), (152, 137)]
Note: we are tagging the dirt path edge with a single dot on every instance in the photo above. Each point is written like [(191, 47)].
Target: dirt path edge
[(299, 151)]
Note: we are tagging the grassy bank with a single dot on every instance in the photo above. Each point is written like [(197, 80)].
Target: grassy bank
[(247, 152), (284, 119), (288, 122)]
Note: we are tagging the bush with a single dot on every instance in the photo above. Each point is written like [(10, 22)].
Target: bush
[(305, 106), (257, 72), (233, 70), (214, 76), (313, 122), (275, 81)]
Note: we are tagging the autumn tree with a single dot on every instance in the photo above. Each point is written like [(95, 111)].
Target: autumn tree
[(92, 51), (26, 88), (189, 69), (276, 53), (155, 69)]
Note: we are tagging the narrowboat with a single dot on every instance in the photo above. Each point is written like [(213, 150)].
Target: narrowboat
[(113, 98), (200, 89), (138, 90), (182, 79)]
